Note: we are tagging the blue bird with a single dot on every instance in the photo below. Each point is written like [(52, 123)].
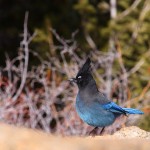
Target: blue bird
[(92, 106)]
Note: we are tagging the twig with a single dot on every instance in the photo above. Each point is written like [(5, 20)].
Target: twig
[(129, 10), (25, 46)]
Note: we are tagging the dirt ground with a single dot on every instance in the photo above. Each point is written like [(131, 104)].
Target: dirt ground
[(15, 138)]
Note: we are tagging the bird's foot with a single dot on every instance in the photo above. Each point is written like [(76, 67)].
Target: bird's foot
[(102, 131), (93, 132)]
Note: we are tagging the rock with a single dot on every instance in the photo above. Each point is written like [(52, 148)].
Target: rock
[(132, 132), (15, 138)]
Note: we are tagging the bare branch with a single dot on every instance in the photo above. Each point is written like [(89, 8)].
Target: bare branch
[(129, 10), (25, 46)]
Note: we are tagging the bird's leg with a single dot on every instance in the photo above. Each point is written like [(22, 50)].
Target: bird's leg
[(93, 131), (102, 130)]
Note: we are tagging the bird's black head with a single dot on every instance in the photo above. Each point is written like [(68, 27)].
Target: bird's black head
[(84, 76)]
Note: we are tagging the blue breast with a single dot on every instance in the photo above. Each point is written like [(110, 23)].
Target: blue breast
[(93, 113)]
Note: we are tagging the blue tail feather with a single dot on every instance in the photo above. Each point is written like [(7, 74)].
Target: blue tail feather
[(113, 107), (133, 111)]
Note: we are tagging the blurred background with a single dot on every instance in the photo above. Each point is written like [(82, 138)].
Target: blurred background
[(44, 43)]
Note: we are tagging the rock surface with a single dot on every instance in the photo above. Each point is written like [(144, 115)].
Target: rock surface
[(15, 138), (132, 132)]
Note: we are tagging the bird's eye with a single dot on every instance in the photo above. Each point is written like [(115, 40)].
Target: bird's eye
[(79, 77)]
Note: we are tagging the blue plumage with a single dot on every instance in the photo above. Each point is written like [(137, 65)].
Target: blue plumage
[(95, 115), (94, 107), (111, 106), (133, 111)]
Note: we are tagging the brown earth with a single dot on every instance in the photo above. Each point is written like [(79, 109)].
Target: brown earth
[(129, 138)]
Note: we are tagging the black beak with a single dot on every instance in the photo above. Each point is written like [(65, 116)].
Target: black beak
[(73, 80)]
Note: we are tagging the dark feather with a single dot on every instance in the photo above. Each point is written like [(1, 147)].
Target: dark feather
[(85, 68)]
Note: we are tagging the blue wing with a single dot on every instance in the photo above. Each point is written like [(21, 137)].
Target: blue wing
[(113, 107)]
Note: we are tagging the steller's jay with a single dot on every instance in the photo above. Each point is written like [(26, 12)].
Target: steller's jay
[(93, 106)]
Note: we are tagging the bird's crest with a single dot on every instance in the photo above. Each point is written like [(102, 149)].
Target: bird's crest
[(85, 68)]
